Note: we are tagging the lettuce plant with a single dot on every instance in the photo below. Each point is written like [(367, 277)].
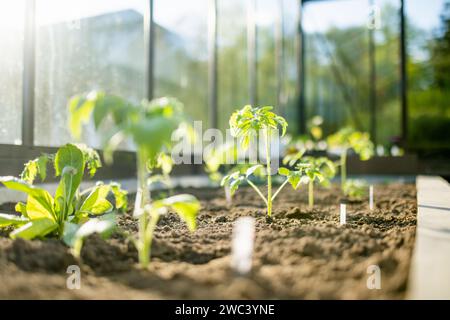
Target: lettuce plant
[(246, 124), (347, 138), (45, 215), (313, 170), (150, 126)]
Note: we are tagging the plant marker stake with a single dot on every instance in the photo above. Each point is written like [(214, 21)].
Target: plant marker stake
[(343, 213), (228, 194), (242, 245), (371, 197)]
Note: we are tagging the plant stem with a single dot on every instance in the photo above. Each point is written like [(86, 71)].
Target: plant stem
[(311, 193), (145, 251), (343, 168), (142, 198), (257, 191), (78, 245), (279, 189), (269, 174)]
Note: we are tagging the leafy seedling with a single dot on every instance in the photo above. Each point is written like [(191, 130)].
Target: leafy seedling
[(346, 139), (150, 126), (245, 124), (45, 215), (315, 170)]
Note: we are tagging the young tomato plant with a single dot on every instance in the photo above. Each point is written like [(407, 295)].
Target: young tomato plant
[(150, 125), (245, 124), (45, 215), (348, 138), (312, 170)]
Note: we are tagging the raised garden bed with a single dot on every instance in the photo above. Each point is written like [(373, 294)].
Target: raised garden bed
[(302, 253)]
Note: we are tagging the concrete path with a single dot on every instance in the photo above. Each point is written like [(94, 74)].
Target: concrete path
[(430, 269)]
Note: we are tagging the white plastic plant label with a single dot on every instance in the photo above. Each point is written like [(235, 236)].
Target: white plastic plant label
[(242, 245), (343, 213), (371, 197)]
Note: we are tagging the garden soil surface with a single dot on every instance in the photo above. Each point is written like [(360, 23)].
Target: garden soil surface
[(300, 254)]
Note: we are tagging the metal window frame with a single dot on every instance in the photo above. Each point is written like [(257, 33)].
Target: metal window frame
[(252, 52), (28, 75), (212, 63)]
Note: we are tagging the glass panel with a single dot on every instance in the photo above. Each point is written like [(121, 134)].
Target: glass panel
[(81, 46), (12, 15), (266, 19), (181, 55), (232, 58), (288, 97), (428, 31), (386, 35), (337, 63)]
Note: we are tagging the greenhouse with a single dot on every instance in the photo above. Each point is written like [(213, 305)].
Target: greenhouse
[(225, 150)]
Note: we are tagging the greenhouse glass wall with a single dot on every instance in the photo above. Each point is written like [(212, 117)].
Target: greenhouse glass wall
[(378, 66)]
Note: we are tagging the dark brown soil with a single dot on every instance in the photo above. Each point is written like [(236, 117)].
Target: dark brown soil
[(301, 254)]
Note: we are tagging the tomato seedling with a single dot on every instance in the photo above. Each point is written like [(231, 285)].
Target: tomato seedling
[(312, 170), (150, 125), (246, 124), (346, 139)]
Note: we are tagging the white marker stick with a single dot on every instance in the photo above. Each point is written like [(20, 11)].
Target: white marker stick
[(242, 245), (343, 215), (228, 194), (371, 197)]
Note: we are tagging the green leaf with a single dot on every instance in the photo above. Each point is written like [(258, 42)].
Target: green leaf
[(29, 172), (294, 181), (69, 164), (234, 185), (42, 203), (35, 228), (40, 207), (284, 171), (69, 236), (80, 112), (21, 208), (232, 176), (152, 133), (120, 196), (96, 202), (74, 234), (252, 169), (103, 226), (165, 162), (91, 158), (185, 205), (11, 220), (42, 166)]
